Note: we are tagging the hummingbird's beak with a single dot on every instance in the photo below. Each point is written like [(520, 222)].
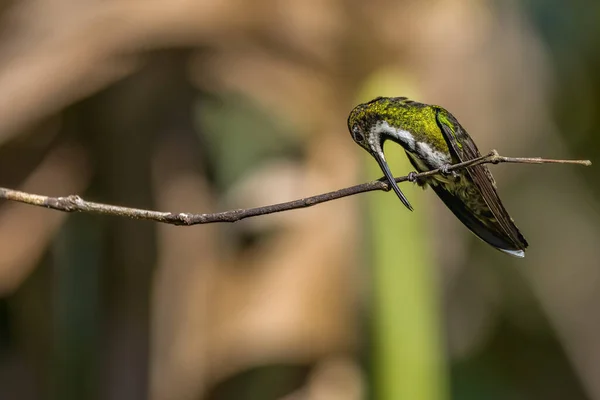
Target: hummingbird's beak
[(378, 154)]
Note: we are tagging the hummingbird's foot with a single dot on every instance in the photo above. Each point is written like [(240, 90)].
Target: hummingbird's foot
[(445, 171), (412, 177)]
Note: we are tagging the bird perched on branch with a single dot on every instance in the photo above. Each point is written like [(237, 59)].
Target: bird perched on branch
[(433, 139)]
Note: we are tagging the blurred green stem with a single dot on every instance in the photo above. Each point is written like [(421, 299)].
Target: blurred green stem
[(409, 362)]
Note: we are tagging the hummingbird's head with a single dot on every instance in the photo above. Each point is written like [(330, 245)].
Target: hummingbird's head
[(372, 123)]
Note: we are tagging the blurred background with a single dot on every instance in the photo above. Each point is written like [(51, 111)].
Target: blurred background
[(207, 105)]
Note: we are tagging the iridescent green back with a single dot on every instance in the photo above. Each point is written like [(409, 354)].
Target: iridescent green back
[(417, 118)]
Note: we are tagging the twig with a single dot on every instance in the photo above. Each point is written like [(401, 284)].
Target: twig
[(75, 203)]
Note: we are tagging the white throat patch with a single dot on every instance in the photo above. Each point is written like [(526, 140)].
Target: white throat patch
[(399, 134), (433, 158)]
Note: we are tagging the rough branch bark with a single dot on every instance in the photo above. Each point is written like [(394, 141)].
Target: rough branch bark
[(75, 203)]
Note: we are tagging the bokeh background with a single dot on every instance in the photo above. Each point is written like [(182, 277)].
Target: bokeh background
[(208, 105)]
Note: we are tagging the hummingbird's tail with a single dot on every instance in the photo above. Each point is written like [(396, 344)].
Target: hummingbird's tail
[(484, 225)]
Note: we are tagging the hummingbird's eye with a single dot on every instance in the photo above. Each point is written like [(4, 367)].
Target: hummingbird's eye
[(357, 135)]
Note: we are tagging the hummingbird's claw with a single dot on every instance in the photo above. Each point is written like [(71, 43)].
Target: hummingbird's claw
[(445, 171), (412, 177)]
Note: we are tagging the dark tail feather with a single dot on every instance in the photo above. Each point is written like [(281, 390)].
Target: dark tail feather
[(490, 233)]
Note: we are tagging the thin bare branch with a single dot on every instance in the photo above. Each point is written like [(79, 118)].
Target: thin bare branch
[(75, 203)]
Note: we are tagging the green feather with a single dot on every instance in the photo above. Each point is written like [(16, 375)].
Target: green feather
[(417, 118)]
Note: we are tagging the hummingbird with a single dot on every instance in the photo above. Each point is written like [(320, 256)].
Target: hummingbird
[(433, 139)]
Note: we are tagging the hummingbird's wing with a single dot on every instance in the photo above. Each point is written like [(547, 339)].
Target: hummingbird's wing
[(464, 149), (481, 225)]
